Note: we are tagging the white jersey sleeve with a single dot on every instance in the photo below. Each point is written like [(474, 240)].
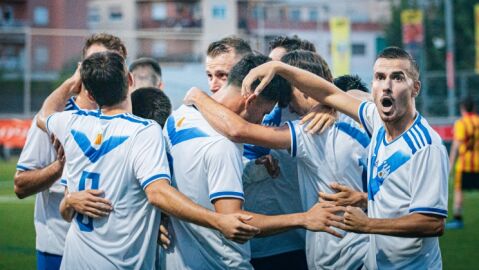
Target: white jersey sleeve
[(58, 125), (369, 117), (149, 156), (429, 174), (224, 168), (37, 152), (297, 148)]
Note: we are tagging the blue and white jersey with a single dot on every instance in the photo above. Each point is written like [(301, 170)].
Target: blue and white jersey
[(337, 155), (38, 153), (207, 166), (273, 196), (407, 175), (121, 155)]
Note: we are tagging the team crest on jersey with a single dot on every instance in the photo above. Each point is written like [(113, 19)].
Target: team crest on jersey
[(94, 151)]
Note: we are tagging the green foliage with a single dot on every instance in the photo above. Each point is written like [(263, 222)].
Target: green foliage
[(434, 23)]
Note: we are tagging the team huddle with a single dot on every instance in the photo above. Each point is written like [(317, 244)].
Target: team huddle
[(280, 167)]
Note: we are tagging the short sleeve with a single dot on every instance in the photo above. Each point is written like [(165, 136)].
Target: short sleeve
[(297, 133), (224, 168), (37, 152), (368, 116), (58, 125), (459, 131), (429, 175), (150, 162)]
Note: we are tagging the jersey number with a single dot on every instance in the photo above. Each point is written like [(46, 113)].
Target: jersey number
[(94, 179)]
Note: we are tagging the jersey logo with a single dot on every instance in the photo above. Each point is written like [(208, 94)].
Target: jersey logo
[(178, 136), (385, 169), (180, 122), (95, 154)]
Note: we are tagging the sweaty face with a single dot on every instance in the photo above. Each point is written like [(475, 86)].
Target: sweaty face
[(257, 109), (218, 69), (394, 89), (277, 53)]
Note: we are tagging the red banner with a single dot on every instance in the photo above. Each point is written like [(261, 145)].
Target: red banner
[(445, 131), (13, 132)]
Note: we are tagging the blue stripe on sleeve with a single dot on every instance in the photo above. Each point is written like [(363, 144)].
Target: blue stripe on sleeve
[(154, 178), (430, 210), (424, 130), (63, 182), (361, 118), (293, 138), (22, 168), (409, 142), (415, 139), (354, 133), (226, 194)]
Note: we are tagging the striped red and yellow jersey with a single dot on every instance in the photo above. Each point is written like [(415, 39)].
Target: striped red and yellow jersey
[(466, 131)]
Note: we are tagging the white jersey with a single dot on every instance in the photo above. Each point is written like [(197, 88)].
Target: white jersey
[(207, 166), (336, 155), (121, 155), (273, 196), (38, 153), (407, 175)]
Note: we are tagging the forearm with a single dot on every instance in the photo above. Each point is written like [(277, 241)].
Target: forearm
[(174, 203), (27, 183), (270, 225), (453, 153), (414, 225), (55, 102), (66, 210)]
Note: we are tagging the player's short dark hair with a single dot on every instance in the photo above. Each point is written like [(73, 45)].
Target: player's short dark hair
[(229, 44), (291, 44), (398, 53), (301, 59), (110, 42), (350, 82), (146, 62), (468, 104), (278, 90), (151, 103), (105, 77)]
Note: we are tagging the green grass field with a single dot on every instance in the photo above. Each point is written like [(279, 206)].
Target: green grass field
[(17, 234)]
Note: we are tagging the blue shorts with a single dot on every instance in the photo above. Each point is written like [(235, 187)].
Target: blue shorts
[(47, 261)]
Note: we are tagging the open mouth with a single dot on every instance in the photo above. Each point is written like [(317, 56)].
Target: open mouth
[(387, 103)]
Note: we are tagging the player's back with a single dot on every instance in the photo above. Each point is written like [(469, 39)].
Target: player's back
[(206, 167), (110, 153), (337, 155), (466, 130)]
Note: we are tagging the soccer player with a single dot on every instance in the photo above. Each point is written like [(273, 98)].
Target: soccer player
[(464, 157), (211, 175), (151, 103), (112, 150), (146, 73), (407, 165), (221, 56), (350, 82), (41, 164), (339, 154)]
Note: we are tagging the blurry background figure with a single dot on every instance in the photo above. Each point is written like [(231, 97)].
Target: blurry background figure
[(146, 73), (464, 158)]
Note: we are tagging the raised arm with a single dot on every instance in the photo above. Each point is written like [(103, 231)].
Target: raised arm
[(236, 128), (308, 83), (174, 203), (56, 101)]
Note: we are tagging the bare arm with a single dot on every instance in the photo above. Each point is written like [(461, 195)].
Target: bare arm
[(174, 203), (453, 153), (65, 210), (27, 183), (56, 101), (318, 218), (413, 225), (307, 82), (236, 128)]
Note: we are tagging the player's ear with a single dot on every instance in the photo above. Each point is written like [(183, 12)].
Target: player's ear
[(249, 101), (130, 80)]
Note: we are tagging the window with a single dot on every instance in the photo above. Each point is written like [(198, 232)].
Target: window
[(93, 15), (358, 49), (219, 12), (158, 11), (41, 55), (313, 15), (295, 15), (115, 13), (40, 15)]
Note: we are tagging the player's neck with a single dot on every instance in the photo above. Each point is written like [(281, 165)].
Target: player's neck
[(397, 128), (122, 107), (84, 102), (229, 98)]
